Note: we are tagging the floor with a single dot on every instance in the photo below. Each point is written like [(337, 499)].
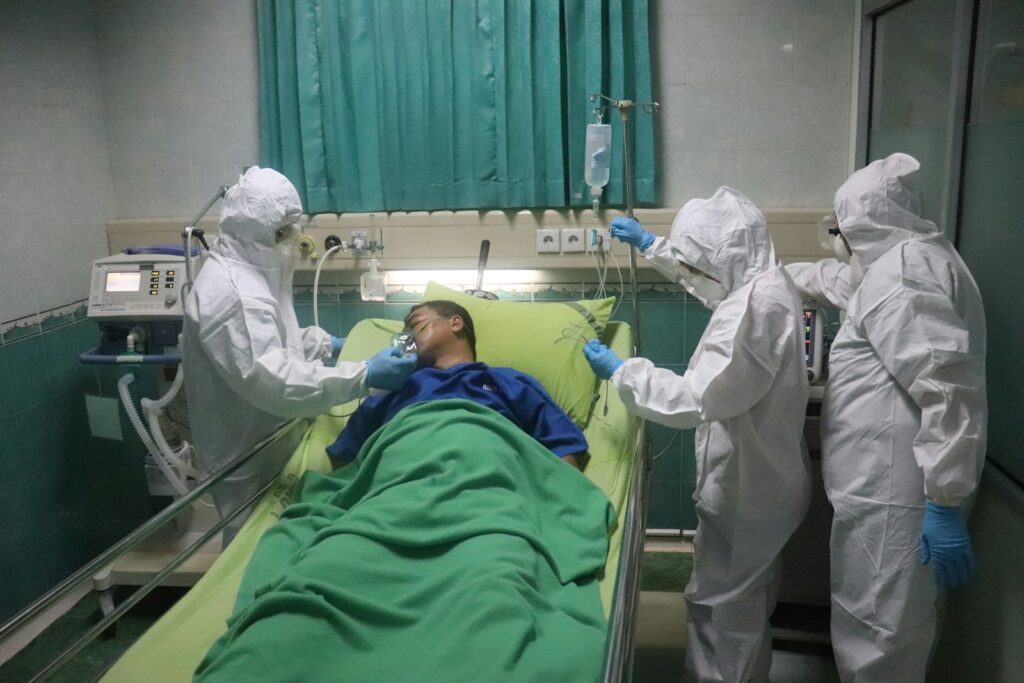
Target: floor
[(660, 640)]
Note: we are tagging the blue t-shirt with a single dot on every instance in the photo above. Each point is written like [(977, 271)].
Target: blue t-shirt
[(516, 396)]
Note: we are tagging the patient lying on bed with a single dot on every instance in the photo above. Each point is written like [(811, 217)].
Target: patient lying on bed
[(454, 548), (446, 346)]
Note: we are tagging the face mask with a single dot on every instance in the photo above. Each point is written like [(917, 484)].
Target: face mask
[(840, 250), (704, 289)]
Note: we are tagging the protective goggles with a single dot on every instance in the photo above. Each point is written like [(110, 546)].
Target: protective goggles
[(828, 228)]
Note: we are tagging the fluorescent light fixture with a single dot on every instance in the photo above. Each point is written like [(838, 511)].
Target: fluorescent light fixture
[(463, 278)]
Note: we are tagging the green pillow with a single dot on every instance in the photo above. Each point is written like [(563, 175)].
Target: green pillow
[(544, 340)]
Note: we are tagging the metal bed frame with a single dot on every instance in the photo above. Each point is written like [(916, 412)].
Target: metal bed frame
[(621, 631)]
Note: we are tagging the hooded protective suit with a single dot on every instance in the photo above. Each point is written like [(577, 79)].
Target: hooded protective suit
[(904, 417), (745, 390), (249, 365)]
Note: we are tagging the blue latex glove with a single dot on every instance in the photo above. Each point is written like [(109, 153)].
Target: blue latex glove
[(389, 369), (630, 231), (336, 344), (946, 545), (603, 360)]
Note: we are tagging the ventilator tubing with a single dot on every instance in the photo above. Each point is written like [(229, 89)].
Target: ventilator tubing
[(159, 455)]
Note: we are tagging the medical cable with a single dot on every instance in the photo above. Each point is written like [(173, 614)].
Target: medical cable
[(316, 283)]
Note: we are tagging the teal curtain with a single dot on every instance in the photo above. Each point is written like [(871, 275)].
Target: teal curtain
[(370, 105)]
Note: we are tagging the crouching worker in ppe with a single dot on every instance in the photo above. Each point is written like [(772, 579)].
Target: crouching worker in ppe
[(745, 391), (248, 363), (447, 368), (903, 421)]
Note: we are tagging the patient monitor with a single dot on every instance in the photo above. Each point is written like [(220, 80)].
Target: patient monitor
[(814, 334)]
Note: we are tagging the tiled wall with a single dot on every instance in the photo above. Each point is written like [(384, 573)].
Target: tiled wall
[(755, 95), (64, 495), (180, 84), (55, 184), (671, 324)]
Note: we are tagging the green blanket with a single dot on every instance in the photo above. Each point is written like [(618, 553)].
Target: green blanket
[(454, 548)]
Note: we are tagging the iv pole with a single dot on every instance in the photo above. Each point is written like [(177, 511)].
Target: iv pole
[(624, 106)]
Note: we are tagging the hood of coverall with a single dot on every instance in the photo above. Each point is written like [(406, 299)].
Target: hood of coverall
[(724, 236), (262, 201), (878, 207)]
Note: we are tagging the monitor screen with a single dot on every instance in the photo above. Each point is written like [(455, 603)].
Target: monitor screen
[(124, 282)]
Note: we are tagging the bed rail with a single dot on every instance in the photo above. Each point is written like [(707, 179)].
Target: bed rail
[(621, 631), (285, 437)]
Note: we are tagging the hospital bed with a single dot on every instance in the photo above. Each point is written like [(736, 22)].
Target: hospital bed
[(174, 645)]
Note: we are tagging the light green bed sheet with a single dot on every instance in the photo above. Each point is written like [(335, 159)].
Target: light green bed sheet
[(173, 647)]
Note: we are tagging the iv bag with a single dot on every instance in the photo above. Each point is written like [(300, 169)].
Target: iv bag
[(598, 156)]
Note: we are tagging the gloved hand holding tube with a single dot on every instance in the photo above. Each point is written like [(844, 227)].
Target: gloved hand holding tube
[(389, 369), (336, 345), (630, 231), (603, 360), (946, 545)]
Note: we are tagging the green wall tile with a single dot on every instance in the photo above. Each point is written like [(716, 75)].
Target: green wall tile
[(304, 314), (662, 327), (350, 314), (666, 465), (21, 332), (17, 512), (12, 469), (66, 373), (7, 402), (664, 512), (28, 379)]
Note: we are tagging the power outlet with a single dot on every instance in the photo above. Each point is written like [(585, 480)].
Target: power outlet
[(598, 238), (548, 241), (572, 241)]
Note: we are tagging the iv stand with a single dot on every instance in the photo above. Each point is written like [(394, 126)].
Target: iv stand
[(624, 106)]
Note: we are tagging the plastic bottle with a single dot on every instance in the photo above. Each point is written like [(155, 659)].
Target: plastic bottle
[(597, 168), (373, 284)]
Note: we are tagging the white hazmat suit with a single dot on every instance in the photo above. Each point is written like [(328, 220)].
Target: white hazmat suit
[(745, 390), (248, 363), (904, 416)]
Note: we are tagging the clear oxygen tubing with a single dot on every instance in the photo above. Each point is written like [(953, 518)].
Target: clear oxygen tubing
[(147, 441), (316, 282)]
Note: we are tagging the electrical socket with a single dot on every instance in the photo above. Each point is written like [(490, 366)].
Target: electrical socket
[(572, 241), (594, 235), (548, 241)]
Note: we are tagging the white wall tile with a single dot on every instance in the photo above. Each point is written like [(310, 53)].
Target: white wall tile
[(203, 183), (19, 295), (818, 173), (149, 193), (32, 207), (766, 47), (669, 45), (710, 115), (767, 6), (697, 173), (711, 48), (821, 115), (91, 197), (767, 177), (224, 133), (148, 137), (706, 6), (823, 48), (766, 116)]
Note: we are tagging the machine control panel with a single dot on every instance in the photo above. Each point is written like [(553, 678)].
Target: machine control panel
[(143, 287)]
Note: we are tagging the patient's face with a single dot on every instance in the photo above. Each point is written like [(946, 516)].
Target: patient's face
[(434, 335)]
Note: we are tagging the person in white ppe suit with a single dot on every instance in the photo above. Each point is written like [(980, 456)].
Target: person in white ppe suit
[(745, 391), (247, 362), (903, 421)]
